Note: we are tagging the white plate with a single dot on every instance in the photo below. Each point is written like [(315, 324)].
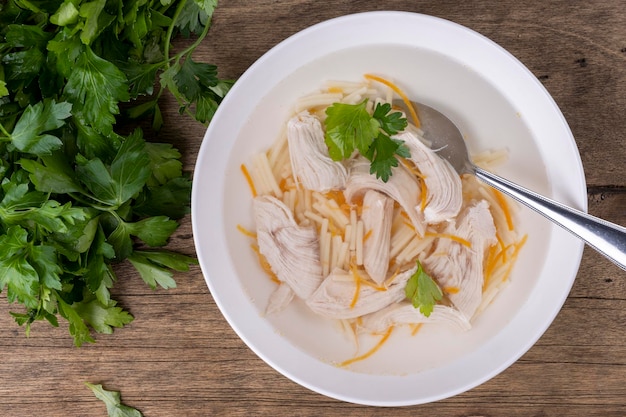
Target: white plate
[(494, 100)]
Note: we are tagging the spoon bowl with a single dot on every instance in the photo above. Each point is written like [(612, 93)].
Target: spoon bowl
[(607, 238)]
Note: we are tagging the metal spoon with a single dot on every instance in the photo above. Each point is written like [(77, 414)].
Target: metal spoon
[(607, 238)]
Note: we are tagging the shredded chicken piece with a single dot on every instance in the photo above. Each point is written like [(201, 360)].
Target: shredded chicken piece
[(453, 264), (402, 186), (443, 183), (310, 161), (335, 297), (280, 299), (292, 251), (377, 218), (404, 313)]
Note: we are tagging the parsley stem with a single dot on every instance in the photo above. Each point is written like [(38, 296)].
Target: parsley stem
[(28, 5), (186, 51), (197, 42), (89, 202), (170, 32), (5, 133)]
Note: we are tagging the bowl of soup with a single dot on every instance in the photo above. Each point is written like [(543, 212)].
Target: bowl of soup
[(313, 163)]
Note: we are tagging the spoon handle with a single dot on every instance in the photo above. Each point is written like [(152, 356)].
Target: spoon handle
[(607, 238)]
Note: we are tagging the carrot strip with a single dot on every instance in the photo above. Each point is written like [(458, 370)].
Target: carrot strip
[(335, 90), (265, 265), (283, 185), (399, 92), (357, 281), (412, 168), (246, 231), (424, 192), (393, 276), (451, 290), (502, 245), (336, 195), (410, 226), (490, 264), (416, 328), (246, 174), (517, 247), (457, 239), (372, 285), (371, 351)]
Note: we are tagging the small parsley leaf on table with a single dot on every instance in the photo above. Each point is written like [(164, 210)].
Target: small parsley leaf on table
[(113, 402)]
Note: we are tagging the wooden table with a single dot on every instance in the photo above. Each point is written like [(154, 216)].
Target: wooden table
[(180, 358)]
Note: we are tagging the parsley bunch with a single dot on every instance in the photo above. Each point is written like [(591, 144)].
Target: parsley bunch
[(351, 127), (76, 195)]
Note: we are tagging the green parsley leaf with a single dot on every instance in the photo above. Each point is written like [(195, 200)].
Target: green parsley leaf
[(64, 49), (92, 143), (140, 76), (153, 266), (44, 260), (206, 106), (126, 176), (382, 154), (102, 317), (422, 291), (192, 76), (152, 272), (96, 86), (195, 16), (165, 163), (194, 83), (172, 260), (34, 211), (29, 134), (3, 89), (23, 66), (390, 122), (98, 277), (154, 231), (131, 167), (65, 15), (16, 272), (163, 199), (95, 18), (113, 402), (97, 178), (351, 127), (77, 327), (52, 174), (26, 36)]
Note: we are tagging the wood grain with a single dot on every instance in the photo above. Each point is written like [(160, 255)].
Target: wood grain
[(180, 358)]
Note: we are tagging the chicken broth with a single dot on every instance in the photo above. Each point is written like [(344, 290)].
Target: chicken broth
[(352, 243)]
